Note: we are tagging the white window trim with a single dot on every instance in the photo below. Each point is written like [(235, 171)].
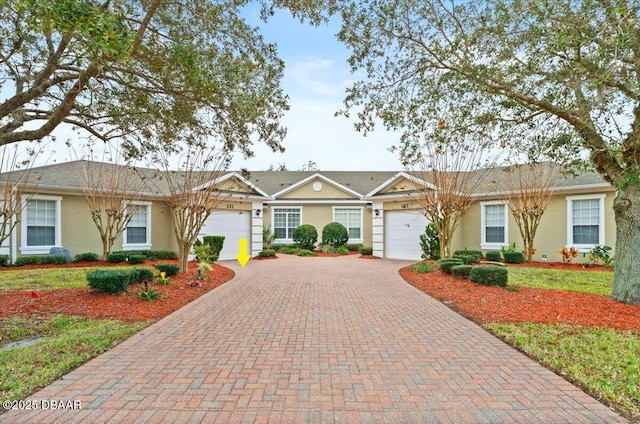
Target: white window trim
[(40, 250), (273, 223), (583, 248), (138, 246), (358, 240), (483, 230)]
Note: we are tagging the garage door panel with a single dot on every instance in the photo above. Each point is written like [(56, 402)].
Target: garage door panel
[(402, 234), (233, 225)]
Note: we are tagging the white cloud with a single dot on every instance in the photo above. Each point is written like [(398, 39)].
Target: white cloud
[(314, 75)]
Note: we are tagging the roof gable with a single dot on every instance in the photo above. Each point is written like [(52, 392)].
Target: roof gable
[(402, 182), (317, 186)]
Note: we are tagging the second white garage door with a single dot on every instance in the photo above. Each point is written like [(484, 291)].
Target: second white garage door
[(402, 230), (233, 225)]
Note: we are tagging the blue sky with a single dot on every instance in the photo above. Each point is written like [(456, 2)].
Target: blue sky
[(315, 78)]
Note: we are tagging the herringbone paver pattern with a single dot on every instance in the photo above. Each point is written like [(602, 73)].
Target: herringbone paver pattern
[(321, 340)]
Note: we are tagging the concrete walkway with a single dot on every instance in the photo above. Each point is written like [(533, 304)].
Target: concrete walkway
[(322, 340)]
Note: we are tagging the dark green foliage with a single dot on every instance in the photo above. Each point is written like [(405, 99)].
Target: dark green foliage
[(334, 234), (108, 280), (513, 257), (305, 252), (477, 253), (290, 250), (353, 247), (267, 253), (424, 267), (86, 257), (116, 257), (461, 270), (152, 255), (489, 275), (4, 260), (495, 263), (277, 247), (137, 259), (342, 250), (366, 250), (216, 243), (169, 269), (305, 236), (139, 275), (468, 259), (430, 243), (40, 260), (446, 264), (493, 255)]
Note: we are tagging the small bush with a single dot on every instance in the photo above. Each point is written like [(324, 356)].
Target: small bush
[(305, 252), (216, 243), (116, 257), (489, 275), (446, 264), (277, 247), (342, 250), (513, 257), (353, 247), (170, 270), (137, 259), (162, 255), (461, 270), (40, 260), (468, 252), (366, 250), (493, 255), (267, 253), (4, 260), (109, 281), (290, 250), (424, 267), (468, 259), (329, 249), (86, 257), (430, 243), (334, 234), (305, 236), (138, 275), (495, 263), (56, 259)]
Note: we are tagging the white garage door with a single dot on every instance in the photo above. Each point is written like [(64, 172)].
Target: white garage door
[(233, 225), (402, 230)]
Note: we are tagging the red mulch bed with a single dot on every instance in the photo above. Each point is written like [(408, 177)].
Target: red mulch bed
[(126, 307), (485, 304)]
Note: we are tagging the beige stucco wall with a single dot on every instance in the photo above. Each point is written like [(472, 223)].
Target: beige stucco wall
[(307, 192), (552, 231)]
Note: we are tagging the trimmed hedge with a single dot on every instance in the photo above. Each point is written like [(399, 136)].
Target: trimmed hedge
[(366, 250), (489, 275), (468, 259), (461, 270), (41, 260), (493, 255), (170, 270), (152, 255), (109, 280), (4, 260), (86, 257), (353, 247), (468, 252), (446, 264), (116, 257), (305, 236), (267, 253), (137, 259), (334, 234), (290, 250), (305, 252), (138, 275), (513, 257)]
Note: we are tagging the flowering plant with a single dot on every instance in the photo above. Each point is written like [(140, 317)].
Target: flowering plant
[(163, 279), (568, 254)]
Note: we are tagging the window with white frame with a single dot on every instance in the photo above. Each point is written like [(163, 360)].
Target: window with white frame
[(285, 221), (137, 235), (351, 218), (585, 221), (494, 224), (41, 229)]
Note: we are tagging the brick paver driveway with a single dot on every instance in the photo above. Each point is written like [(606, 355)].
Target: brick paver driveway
[(316, 340)]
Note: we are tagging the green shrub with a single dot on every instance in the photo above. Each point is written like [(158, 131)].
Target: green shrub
[(489, 275), (169, 269), (138, 275), (277, 247), (366, 250), (290, 250), (216, 243), (468, 252), (4, 260), (267, 253), (353, 247), (305, 236), (468, 259), (108, 280), (446, 264), (493, 255), (305, 252), (513, 257), (40, 260), (461, 270), (342, 250), (162, 255), (430, 243), (424, 267), (117, 257), (137, 259), (495, 263), (56, 259), (86, 257), (329, 249), (334, 234)]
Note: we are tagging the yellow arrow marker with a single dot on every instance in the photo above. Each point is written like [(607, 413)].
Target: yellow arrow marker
[(242, 256)]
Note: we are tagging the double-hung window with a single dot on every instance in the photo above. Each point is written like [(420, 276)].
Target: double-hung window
[(351, 218), (585, 221), (137, 235), (495, 228), (41, 228), (285, 221)]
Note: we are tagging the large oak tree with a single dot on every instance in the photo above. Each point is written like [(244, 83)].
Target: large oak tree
[(551, 78)]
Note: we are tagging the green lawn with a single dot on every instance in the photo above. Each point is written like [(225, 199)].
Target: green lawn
[(597, 282)]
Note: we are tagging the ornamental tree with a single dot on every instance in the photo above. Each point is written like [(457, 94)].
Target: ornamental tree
[(547, 79)]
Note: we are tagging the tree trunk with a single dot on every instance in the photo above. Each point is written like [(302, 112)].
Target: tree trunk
[(626, 277), (105, 248), (183, 255)]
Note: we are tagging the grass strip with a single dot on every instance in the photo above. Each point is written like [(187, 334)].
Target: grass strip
[(597, 282)]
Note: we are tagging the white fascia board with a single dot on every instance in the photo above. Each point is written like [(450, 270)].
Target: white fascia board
[(230, 175), (401, 174)]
